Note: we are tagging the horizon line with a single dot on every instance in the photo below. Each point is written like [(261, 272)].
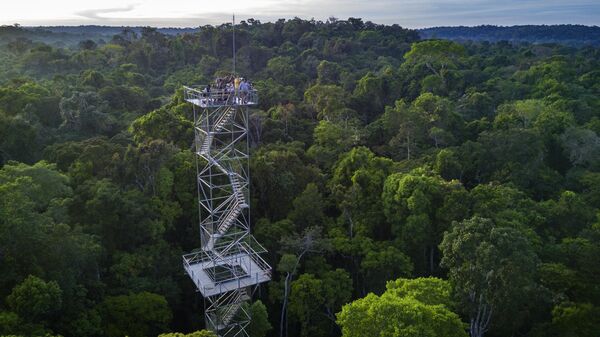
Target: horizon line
[(16, 24)]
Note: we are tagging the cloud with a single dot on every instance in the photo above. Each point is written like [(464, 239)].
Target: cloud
[(96, 14), (407, 13)]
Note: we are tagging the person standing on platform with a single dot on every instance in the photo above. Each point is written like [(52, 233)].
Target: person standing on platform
[(244, 88), (206, 94), (236, 86)]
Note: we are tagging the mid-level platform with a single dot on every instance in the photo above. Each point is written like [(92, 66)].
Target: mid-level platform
[(215, 275)]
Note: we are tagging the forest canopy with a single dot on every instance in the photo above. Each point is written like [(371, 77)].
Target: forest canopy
[(436, 188)]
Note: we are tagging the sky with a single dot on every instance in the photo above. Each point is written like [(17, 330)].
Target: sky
[(194, 13)]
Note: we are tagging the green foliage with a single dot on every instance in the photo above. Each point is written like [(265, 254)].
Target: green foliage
[(328, 72), (47, 183), (9, 322), (305, 299), (328, 101), (421, 206), (573, 319), (34, 299), (492, 269), (439, 57), (582, 147), (85, 112), (382, 262), (107, 209), (33, 200), (308, 208), (400, 311), (369, 149), (259, 326), (279, 176), (330, 141), (406, 130), (357, 183), (162, 124), (139, 314), (313, 297), (429, 290)]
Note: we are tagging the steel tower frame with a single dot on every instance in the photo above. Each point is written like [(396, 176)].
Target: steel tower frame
[(228, 267)]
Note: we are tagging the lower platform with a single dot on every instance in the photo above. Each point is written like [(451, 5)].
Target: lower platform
[(213, 276)]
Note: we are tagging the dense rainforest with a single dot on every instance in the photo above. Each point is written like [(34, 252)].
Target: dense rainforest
[(403, 187), (574, 35)]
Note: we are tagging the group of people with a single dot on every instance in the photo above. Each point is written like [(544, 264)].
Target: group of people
[(230, 84), (224, 87)]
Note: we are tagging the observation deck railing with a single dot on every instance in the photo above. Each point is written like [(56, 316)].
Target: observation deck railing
[(219, 97)]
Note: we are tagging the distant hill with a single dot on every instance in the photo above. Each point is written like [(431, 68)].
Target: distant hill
[(71, 35), (574, 35), (571, 35), (109, 30)]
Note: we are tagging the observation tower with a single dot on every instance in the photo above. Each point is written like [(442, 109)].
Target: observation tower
[(227, 267)]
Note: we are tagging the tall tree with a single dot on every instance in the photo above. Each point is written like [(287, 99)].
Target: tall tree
[(310, 241), (492, 269), (421, 206)]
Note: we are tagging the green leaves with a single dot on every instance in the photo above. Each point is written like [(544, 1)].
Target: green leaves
[(305, 299), (35, 300), (46, 184), (370, 149), (163, 124), (420, 206), (403, 311), (429, 290), (308, 208), (576, 319), (135, 315), (439, 57), (259, 325), (492, 269)]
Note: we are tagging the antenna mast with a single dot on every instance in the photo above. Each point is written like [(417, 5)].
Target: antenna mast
[(227, 267), (233, 25)]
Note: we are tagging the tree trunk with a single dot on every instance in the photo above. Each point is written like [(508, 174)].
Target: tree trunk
[(480, 323), (284, 304), (431, 266), (349, 221), (408, 146), (288, 279)]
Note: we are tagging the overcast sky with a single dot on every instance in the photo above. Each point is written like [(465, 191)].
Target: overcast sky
[(193, 13)]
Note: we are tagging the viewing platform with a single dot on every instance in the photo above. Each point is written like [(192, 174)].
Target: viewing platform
[(210, 98), (215, 274)]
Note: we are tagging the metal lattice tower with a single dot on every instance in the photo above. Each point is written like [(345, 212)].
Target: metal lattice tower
[(227, 268)]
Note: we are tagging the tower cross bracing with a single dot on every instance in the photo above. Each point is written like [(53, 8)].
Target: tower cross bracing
[(227, 267)]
